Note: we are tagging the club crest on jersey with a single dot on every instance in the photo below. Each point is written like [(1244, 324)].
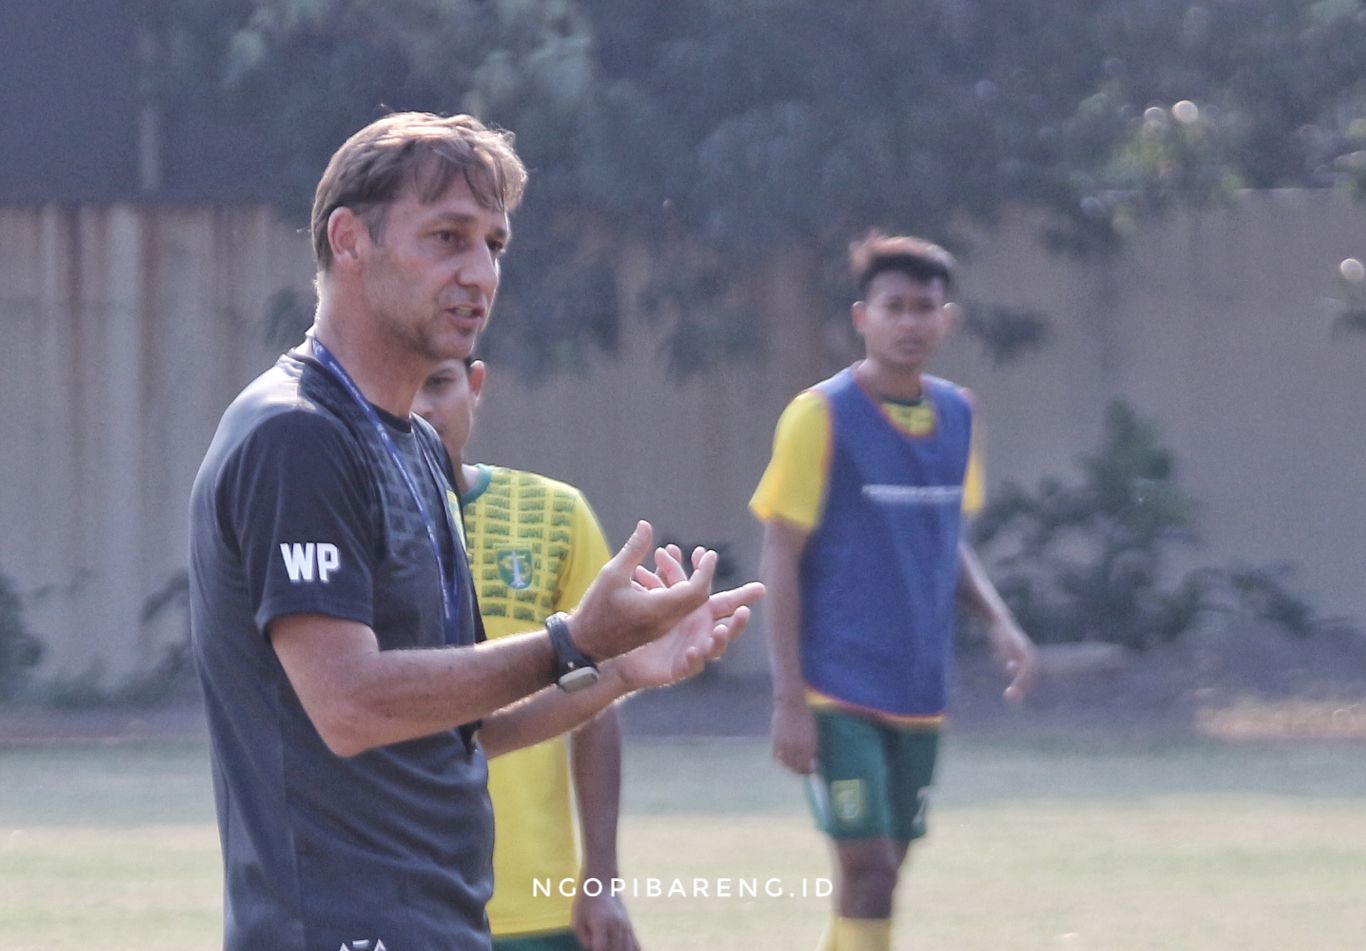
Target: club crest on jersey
[(514, 567)]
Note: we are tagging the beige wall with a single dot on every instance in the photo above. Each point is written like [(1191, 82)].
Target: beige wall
[(1218, 325), (124, 332)]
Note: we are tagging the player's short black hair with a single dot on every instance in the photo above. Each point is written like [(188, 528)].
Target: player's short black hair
[(915, 257)]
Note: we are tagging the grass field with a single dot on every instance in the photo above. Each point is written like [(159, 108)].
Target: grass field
[(1034, 845)]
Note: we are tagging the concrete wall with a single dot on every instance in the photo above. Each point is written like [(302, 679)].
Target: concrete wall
[(1218, 325), (125, 331)]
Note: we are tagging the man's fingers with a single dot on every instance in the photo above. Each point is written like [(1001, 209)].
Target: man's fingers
[(726, 630), (726, 603), (686, 593), (709, 646), (803, 764), (692, 662), (723, 633), (704, 570), (668, 565), (646, 578), (675, 599), (633, 552), (737, 622), (1022, 679)]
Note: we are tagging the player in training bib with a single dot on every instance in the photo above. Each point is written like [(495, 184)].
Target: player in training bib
[(862, 504)]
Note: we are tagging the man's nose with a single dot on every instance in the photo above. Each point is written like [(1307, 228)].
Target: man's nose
[(481, 270)]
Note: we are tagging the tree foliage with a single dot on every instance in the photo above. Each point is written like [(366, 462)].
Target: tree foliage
[(19, 649), (716, 134), (1087, 560)]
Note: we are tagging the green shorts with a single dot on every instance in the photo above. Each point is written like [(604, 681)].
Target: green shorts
[(873, 779), (540, 941)]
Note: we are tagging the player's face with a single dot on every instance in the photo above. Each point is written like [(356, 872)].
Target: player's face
[(902, 320), (432, 273), (448, 399)]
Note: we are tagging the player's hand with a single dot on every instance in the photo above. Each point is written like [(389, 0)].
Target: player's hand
[(700, 636), (794, 735), (1016, 651), (601, 922)]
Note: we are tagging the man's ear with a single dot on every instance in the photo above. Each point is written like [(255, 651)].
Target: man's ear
[(346, 231), (858, 312), (477, 372), (953, 313)]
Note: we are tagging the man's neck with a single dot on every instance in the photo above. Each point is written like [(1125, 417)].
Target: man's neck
[(466, 476), (889, 383), (386, 377)]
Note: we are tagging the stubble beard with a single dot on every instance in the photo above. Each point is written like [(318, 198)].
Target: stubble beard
[(407, 338), (414, 329)]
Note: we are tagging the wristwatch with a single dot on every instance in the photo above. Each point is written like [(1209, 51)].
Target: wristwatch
[(574, 670)]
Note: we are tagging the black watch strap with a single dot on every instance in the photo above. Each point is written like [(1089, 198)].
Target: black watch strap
[(574, 670)]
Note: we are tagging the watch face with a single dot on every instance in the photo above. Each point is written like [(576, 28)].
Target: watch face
[(578, 679)]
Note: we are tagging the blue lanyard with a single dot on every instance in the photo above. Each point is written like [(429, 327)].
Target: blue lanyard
[(338, 372)]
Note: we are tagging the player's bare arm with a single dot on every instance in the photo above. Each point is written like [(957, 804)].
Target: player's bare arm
[(600, 918), (359, 697), (793, 726), (1010, 643)]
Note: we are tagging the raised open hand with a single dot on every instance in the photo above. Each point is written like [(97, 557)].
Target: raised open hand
[(701, 635), (628, 606)]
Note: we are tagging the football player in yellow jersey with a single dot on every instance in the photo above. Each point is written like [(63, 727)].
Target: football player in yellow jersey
[(534, 547)]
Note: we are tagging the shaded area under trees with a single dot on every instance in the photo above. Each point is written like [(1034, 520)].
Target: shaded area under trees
[(717, 134)]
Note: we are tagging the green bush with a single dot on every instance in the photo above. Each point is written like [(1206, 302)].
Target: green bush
[(19, 650), (1089, 560)]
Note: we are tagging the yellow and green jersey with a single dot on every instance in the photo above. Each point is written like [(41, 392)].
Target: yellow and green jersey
[(534, 547)]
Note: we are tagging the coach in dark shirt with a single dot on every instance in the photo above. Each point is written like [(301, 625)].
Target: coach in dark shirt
[(351, 698)]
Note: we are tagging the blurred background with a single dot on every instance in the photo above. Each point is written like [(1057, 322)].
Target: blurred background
[(1156, 205)]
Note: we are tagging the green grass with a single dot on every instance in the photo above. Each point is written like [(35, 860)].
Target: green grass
[(108, 846), (1033, 845), (1198, 846)]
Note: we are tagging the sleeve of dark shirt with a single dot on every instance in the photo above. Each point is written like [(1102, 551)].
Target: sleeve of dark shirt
[(300, 503)]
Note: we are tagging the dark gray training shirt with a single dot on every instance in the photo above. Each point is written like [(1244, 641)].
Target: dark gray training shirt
[(298, 508)]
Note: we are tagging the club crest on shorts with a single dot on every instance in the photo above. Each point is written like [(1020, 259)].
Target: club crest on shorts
[(514, 567), (847, 800)]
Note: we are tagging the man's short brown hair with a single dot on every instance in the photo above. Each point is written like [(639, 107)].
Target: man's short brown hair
[(915, 257), (418, 150)]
